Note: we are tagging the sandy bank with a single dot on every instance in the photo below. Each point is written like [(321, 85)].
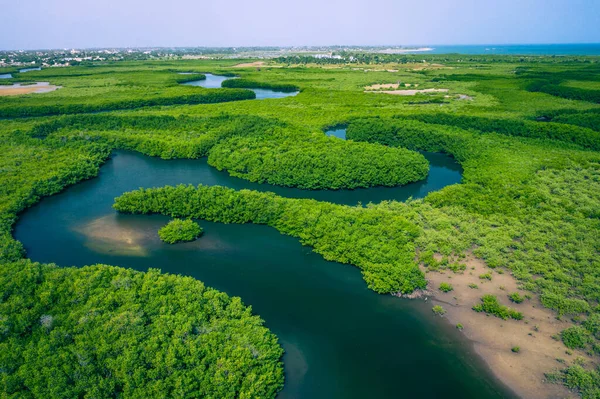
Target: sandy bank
[(387, 86), (408, 92), (493, 338), (250, 64), (17, 89)]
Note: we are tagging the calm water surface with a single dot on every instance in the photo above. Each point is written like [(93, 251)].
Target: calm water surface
[(214, 82), (340, 133), (30, 69), (517, 49), (5, 76), (341, 340)]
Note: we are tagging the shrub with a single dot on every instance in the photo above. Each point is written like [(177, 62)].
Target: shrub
[(564, 305), (516, 349), (516, 297), (473, 286), (438, 310), (446, 287), (178, 230), (575, 337), (490, 305), (460, 326), (485, 276)]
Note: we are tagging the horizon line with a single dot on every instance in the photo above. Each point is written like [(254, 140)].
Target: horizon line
[(408, 46)]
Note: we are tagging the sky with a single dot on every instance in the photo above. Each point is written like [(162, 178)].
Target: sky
[(45, 24)]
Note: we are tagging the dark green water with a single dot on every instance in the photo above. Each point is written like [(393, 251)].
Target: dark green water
[(341, 340), (214, 82)]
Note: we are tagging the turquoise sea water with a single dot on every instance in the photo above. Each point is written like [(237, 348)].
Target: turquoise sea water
[(516, 49)]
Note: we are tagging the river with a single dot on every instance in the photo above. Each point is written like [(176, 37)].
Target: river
[(341, 339), (214, 82)]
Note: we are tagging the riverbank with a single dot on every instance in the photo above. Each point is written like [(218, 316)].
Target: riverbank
[(494, 338)]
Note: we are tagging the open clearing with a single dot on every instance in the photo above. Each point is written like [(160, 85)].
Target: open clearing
[(411, 92)]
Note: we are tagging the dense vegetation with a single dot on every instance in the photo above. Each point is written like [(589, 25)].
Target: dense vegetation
[(528, 204), (249, 84), (178, 230), (386, 131), (490, 305), (317, 162), (103, 331), (205, 96), (377, 242)]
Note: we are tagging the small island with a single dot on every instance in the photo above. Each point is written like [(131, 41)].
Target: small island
[(178, 230)]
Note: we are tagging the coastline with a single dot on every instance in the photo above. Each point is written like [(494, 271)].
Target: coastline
[(494, 338)]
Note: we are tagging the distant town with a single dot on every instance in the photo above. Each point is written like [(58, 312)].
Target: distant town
[(71, 57)]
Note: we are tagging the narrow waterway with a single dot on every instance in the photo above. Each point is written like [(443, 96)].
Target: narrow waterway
[(341, 340), (29, 69), (215, 81)]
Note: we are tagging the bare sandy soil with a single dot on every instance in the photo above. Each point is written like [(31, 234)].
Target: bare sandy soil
[(408, 92), (17, 89), (494, 338), (388, 86), (250, 64)]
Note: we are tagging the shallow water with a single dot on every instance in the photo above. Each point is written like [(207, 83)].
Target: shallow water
[(30, 69), (341, 339), (214, 82), (211, 81), (5, 76), (339, 133), (41, 87)]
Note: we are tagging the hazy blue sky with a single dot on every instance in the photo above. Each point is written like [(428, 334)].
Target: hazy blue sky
[(34, 24)]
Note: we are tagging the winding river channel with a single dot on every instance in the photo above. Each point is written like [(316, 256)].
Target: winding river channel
[(214, 82), (341, 340)]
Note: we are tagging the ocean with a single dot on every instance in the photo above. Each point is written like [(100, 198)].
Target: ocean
[(515, 49)]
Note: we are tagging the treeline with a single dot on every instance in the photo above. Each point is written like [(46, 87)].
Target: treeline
[(250, 84), (162, 136), (257, 149), (589, 118), (571, 93), (356, 57), (242, 124), (103, 331), (582, 136), (317, 162), (555, 83), (380, 243), (192, 77), (206, 96)]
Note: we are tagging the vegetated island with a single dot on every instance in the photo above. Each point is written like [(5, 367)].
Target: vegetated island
[(178, 230)]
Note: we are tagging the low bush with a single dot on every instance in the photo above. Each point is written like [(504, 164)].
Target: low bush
[(178, 230)]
